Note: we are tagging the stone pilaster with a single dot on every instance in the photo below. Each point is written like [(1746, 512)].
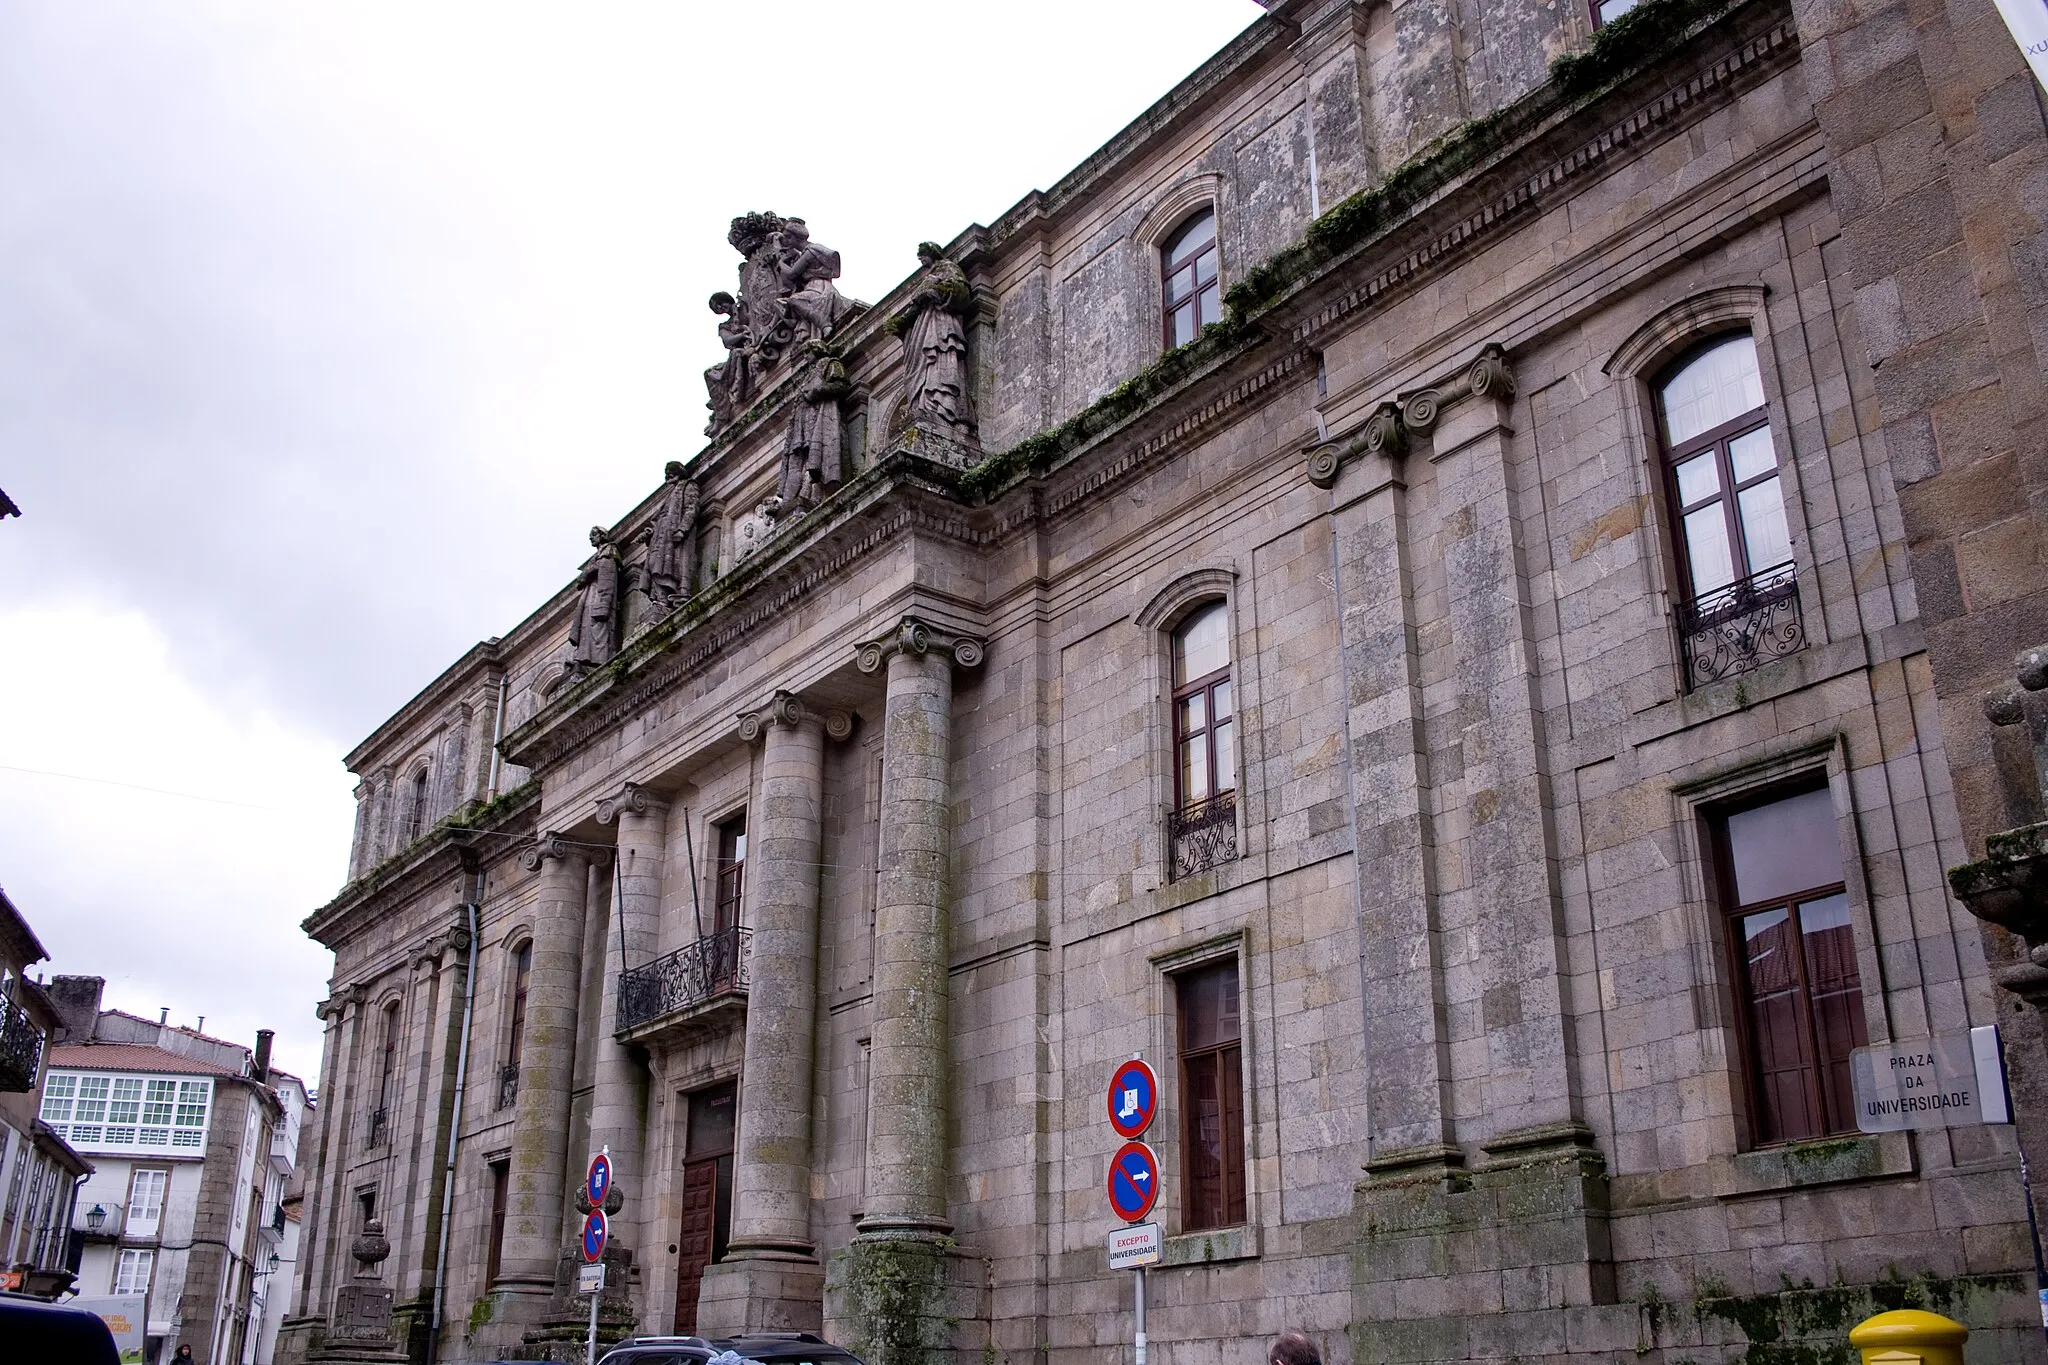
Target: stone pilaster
[(537, 1197), (1331, 50), (770, 1278), (618, 1111), (889, 1288)]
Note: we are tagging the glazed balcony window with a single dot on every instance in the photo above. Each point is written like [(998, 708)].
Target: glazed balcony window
[(1741, 607), (1212, 1097)]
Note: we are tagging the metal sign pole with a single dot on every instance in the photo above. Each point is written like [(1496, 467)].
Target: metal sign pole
[(590, 1348), (1140, 1277)]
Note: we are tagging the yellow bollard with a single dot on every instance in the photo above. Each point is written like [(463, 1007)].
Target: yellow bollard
[(1906, 1336)]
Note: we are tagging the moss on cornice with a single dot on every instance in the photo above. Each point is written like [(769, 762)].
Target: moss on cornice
[(1646, 35)]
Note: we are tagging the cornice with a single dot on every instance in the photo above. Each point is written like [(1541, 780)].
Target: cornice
[(483, 659), (490, 833)]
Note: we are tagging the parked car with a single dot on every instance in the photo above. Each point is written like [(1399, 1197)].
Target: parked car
[(37, 1330), (770, 1348)]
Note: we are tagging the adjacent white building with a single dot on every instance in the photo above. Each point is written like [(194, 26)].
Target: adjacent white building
[(192, 1140)]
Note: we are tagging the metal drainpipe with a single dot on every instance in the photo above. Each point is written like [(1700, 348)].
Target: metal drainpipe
[(455, 1120)]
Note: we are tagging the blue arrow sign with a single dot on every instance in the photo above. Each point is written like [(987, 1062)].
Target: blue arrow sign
[(1133, 1181), (594, 1234), (1133, 1098)]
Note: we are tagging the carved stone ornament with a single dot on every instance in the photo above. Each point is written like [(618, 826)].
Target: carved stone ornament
[(543, 847), (813, 452), (786, 298), (751, 532), (786, 708), (2009, 885), (671, 540), (1416, 413), (371, 1248), (937, 388), (632, 797), (913, 636), (594, 634)]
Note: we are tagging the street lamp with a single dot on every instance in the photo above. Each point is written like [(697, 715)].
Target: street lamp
[(96, 1217)]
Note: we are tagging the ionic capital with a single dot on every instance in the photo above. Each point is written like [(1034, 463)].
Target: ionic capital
[(632, 797), (1414, 413), (914, 636), (786, 708), (543, 848)]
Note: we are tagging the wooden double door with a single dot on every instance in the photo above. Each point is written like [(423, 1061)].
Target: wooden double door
[(706, 1219)]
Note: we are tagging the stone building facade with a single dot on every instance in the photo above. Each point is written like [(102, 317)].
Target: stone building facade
[(1384, 592)]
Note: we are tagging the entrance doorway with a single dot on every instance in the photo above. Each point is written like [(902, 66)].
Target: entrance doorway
[(707, 1195)]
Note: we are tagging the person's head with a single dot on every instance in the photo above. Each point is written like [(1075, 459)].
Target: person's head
[(184, 1353), (1292, 1348)]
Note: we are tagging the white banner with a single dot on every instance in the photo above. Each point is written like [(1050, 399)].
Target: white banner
[(2028, 22)]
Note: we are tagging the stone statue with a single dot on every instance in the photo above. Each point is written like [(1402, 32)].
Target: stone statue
[(731, 382), (672, 540), (594, 634), (932, 328), (786, 298), (812, 456)]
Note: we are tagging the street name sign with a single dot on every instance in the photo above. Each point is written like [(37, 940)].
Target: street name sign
[(1133, 1099), (1948, 1080), (590, 1278), (1135, 1246)]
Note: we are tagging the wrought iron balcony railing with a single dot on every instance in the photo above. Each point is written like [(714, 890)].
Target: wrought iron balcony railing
[(1742, 626), (21, 1048), (714, 965), (508, 1084), (1204, 835)]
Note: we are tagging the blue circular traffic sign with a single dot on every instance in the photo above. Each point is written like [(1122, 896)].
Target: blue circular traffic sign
[(594, 1234), (1133, 1098), (1133, 1181), (597, 1183)]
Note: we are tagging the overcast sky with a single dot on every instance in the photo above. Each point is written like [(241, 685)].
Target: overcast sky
[(326, 331)]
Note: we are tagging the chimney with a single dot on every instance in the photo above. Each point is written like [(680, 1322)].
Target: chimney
[(259, 1070), (163, 1017), (78, 1006)]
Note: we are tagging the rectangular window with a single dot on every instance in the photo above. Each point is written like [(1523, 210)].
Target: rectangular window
[(146, 1202), (1212, 1097), (501, 1189), (1800, 993), (135, 1113), (131, 1274), (732, 873)]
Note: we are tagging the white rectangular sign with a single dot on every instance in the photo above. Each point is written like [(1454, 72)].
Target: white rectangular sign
[(1136, 1245), (1951, 1080), (2027, 21), (590, 1278), (125, 1315)]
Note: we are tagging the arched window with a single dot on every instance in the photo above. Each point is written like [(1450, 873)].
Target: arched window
[(387, 1072), (1204, 824), (1190, 292), (1725, 491), (416, 807)]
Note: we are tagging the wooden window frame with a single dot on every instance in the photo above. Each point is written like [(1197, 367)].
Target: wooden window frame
[(1219, 764), (1225, 1057), (501, 1198), (1169, 270), (522, 980), (1728, 491), (728, 873), (1731, 915)]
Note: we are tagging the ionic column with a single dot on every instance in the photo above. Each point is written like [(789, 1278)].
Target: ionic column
[(540, 1132), (770, 1276), (618, 1110), (906, 1162)]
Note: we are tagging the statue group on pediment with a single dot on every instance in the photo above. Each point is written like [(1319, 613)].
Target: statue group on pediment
[(786, 299)]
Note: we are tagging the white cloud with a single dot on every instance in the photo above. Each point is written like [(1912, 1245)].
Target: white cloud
[(326, 331), (189, 901)]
